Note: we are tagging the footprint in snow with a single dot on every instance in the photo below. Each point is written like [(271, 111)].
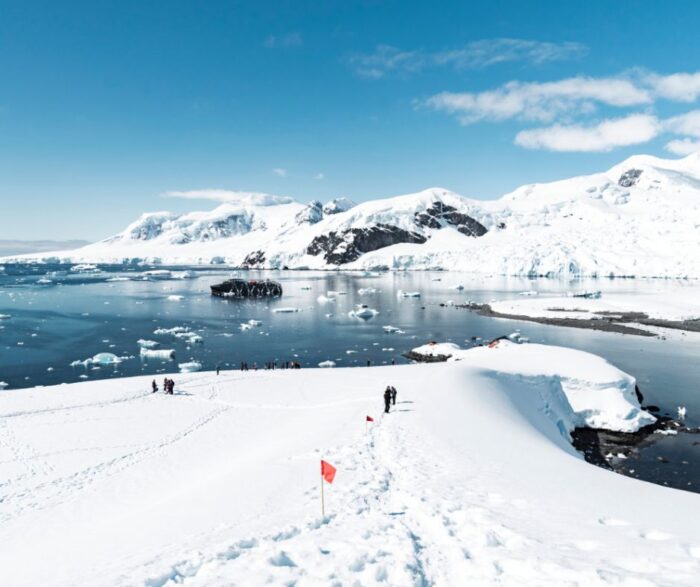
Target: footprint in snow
[(281, 559)]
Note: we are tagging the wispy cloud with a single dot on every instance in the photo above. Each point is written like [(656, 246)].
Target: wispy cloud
[(569, 104), (387, 60), (539, 101), (683, 146), (285, 41), (604, 136), (231, 196), (280, 172)]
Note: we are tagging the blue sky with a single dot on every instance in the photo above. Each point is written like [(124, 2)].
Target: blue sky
[(107, 106)]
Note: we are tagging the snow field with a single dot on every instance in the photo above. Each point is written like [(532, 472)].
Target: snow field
[(468, 480)]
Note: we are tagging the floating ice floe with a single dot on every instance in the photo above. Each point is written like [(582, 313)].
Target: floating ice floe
[(147, 344), (187, 274), (84, 268), (589, 295), (176, 298), (328, 315), (330, 293), (45, 281), (5, 316), (190, 367), (101, 359), (407, 294), (326, 364), (325, 299), (4, 385), (364, 291), (180, 332), (363, 313), (119, 278), (254, 322), (286, 310), (245, 326), (350, 352), (164, 354), (528, 293), (392, 330), (157, 274)]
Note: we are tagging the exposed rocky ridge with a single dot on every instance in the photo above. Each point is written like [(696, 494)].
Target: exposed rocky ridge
[(440, 215), (348, 245)]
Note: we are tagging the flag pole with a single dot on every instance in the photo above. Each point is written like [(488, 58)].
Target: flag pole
[(323, 504)]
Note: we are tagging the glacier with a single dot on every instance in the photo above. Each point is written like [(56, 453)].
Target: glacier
[(638, 219)]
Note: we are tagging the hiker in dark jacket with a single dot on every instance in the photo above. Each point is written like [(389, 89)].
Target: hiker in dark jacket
[(154, 386), (393, 395), (387, 399)]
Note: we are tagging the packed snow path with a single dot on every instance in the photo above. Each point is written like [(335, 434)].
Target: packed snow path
[(466, 481)]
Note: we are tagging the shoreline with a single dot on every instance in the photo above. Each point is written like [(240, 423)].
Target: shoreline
[(608, 322)]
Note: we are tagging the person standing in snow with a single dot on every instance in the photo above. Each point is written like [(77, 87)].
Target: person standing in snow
[(387, 399), (393, 395), (154, 386), (217, 369)]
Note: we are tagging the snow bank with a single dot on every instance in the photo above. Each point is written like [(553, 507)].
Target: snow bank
[(598, 394), (468, 480)]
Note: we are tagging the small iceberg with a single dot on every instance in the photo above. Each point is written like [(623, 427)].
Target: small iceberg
[(254, 322), (286, 310), (163, 354), (392, 330), (187, 274), (5, 316), (176, 298), (325, 299), (147, 344), (407, 294), (4, 385), (364, 291), (326, 364), (84, 268), (157, 274), (363, 313), (190, 367), (100, 359)]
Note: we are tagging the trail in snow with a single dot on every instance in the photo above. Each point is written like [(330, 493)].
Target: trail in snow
[(467, 480)]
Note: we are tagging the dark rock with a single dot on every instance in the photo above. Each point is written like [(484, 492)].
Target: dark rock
[(254, 259), (440, 215), (629, 178), (348, 245)]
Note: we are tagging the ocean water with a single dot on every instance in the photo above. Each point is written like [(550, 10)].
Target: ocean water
[(58, 316)]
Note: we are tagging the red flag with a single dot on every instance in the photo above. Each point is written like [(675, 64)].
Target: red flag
[(327, 471), (370, 419)]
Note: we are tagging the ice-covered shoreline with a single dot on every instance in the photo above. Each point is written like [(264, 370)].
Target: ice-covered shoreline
[(219, 483)]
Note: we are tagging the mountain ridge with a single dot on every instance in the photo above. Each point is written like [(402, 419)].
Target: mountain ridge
[(634, 219)]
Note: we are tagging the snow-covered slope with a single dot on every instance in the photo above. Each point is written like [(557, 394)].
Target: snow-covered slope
[(468, 481), (640, 218)]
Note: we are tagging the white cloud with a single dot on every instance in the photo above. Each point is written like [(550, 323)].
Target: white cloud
[(231, 196), (285, 41), (685, 124), (604, 136), (387, 60), (678, 87), (280, 172), (683, 146), (539, 101)]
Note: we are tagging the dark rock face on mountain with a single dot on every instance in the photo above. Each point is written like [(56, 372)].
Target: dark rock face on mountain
[(349, 244), (629, 178), (440, 215), (254, 259)]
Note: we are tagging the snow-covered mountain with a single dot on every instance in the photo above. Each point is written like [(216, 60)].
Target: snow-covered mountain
[(640, 218)]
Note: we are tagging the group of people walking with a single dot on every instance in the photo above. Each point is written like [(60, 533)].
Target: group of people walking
[(168, 386), (389, 398)]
